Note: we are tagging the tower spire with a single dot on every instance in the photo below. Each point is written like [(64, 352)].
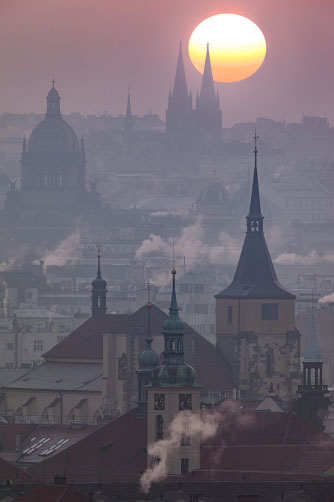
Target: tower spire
[(207, 88), (99, 291), (53, 102), (180, 90), (128, 122), (254, 217)]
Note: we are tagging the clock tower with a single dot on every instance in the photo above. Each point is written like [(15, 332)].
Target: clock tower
[(173, 389)]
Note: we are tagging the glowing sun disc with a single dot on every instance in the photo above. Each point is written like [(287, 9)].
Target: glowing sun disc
[(237, 47)]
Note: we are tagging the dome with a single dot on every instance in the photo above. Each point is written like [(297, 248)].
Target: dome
[(177, 375), (53, 135), (214, 195), (148, 359)]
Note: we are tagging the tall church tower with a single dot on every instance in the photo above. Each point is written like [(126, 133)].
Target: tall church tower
[(208, 115), (128, 121), (179, 114), (255, 317), (312, 403), (173, 389), (99, 292)]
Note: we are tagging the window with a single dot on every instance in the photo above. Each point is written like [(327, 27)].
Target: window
[(159, 401), (159, 428), (229, 314), (184, 465), (38, 345), (185, 401), (269, 311), (10, 346), (29, 295)]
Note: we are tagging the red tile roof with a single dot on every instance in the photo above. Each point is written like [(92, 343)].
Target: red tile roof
[(11, 472), (86, 343), (250, 427), (117, 450), (53, 493)]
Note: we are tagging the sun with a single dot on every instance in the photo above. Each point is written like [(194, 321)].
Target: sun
[(237, 47)]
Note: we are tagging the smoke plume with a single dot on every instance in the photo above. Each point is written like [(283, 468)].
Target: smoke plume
[(191, 245), (202, 426), (66, 252), (327, 299), (311, 258)]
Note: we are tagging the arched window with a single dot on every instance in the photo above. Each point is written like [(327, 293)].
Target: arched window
[(159, 427)]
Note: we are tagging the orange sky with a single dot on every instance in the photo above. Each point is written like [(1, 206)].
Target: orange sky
[(96, 47)]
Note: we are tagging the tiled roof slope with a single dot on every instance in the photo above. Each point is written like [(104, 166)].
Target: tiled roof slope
[(86, 343), (116, 449), (10, 472)]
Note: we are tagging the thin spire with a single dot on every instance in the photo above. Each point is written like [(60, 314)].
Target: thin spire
[(149, 337), (255, 205), (98, 260), (207, 88), (128, 106), (173, 309), (180, 90), (53, 82)]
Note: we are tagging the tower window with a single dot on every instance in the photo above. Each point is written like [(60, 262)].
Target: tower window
[(229, 314), (269, 311), (185, 401), (184, 465), (159, 401), (159, 428)]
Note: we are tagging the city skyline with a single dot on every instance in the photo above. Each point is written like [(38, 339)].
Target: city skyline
[(137, 46)]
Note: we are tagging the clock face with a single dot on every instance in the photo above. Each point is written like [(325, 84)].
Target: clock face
[(185, 401), (159, 401)]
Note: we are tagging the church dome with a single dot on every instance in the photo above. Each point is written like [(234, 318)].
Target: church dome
[(53, 134), (214, 195)]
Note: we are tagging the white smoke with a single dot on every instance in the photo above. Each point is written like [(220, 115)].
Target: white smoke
[(191, 245), (311, 258), (66, 252), (327, 299), (181, 213), (201, 425)]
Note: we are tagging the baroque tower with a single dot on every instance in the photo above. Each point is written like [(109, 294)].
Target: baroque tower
[(99, 292), (148, 360), (208, 115), (179, 114), (255, 317), (173, 389)]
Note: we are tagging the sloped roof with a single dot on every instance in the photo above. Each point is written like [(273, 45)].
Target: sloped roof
[(10, 472), (86, 343), (115, 449), (61, 376)]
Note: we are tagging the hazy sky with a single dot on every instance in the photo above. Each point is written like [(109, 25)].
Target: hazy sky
[(95, 48)]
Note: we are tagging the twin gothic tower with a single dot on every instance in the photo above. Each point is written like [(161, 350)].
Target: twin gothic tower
[(182, 121)]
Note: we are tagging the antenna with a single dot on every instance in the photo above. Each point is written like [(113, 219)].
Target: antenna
[(173, 255), (148, 292)]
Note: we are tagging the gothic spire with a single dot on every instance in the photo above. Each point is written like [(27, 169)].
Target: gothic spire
[(255, 205), (207, 88), (128, 122), (180, 91)]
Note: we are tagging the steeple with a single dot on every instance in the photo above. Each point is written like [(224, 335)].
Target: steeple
[(207, 93), (148, 360), (180, 91), (255, 276), (179, 110), (128, 122), (173, 372), (53, 102), (99, 291)]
